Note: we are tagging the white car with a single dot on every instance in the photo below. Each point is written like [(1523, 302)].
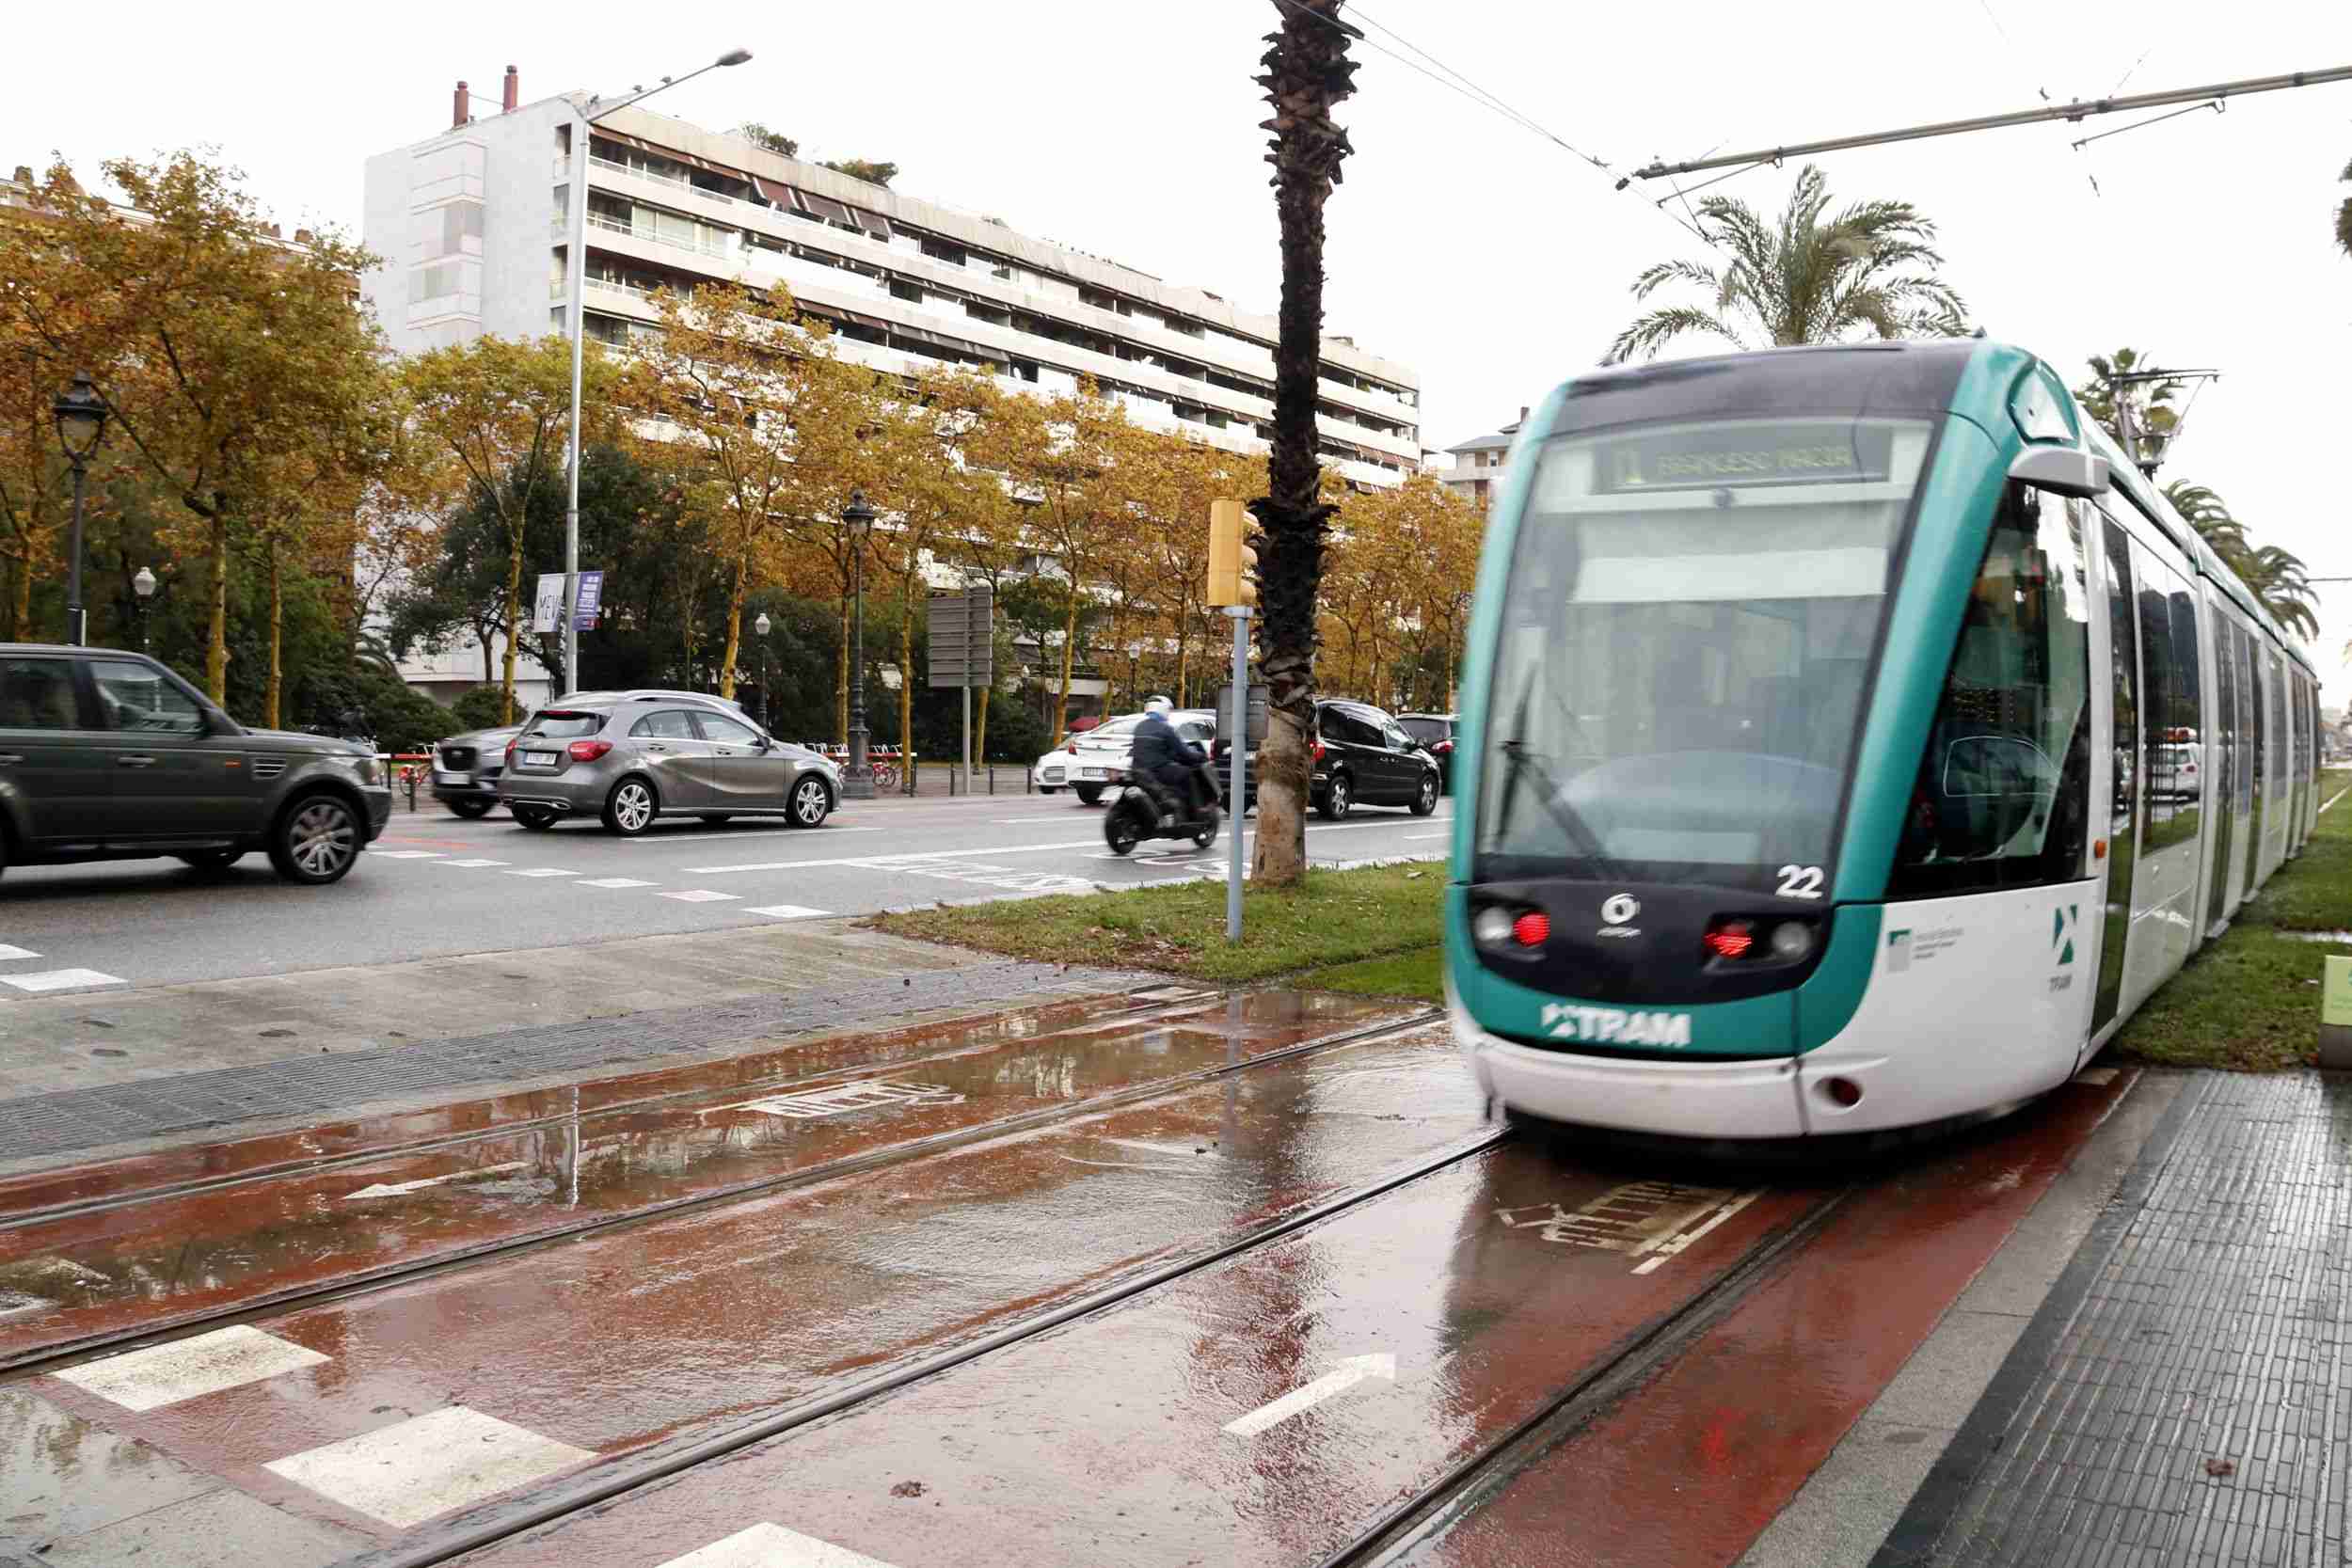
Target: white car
[(1088, 762)]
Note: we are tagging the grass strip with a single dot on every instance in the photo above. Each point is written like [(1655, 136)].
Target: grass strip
[(2250, 1002), (1334, 918)]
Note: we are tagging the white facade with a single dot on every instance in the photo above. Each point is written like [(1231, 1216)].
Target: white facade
[(1479, 463), (471, 226)]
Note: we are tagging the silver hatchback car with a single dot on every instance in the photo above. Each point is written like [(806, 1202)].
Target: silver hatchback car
[(632, 757)]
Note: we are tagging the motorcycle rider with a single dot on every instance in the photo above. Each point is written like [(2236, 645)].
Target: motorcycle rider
[(1162, 758)]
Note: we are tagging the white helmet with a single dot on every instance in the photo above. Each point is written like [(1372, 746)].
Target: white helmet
[(1158, 704)]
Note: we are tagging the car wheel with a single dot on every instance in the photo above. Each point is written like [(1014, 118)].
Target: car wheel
[(1338, 799), (211, 860), (1425, 798), (631, 807), (537, 818), (470, 808), (1049, 789), (812, 802), (316, 841), (1090, 795)]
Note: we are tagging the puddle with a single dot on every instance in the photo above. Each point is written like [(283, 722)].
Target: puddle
[(2338, 939)]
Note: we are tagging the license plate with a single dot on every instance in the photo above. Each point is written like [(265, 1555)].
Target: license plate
[(1094, 773), (536, 758), (453, 777)]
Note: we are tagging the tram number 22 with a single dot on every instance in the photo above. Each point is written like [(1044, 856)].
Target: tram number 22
[(1800, 882)]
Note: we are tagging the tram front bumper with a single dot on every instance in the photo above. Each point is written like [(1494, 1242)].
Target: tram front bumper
[(1693, 1098)]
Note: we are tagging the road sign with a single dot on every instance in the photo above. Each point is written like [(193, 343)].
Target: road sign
[(588, 601), (1257, 710), (963, 638), (547, 605)]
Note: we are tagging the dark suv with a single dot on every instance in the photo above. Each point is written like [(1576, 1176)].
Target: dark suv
[(1361, 757), (110, 756), (1435, 734)]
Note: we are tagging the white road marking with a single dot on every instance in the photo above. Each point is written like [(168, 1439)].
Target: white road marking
[(1448, 833), (766, 1545), (204, 1363), (1662, 1251), (60, 979), (698, 896), (656, 841), (474, 862), (886, 863), (1338, 1381), (405, 854), (844, 1098), (2332, 800), (543, 871), (396, 1188), (9, 954), (788, 911), (616, 881), (405, 1473)]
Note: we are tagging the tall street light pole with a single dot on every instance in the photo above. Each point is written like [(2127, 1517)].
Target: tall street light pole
[(81, 416), (574, 323), (857, 784)]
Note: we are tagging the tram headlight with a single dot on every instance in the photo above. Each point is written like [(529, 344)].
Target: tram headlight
[(1494, 927), (1791, 939)]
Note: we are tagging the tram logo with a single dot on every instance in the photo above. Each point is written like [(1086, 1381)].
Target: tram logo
[(1566, 1021), (2062, 932), (1620, 908), (1898, 950)]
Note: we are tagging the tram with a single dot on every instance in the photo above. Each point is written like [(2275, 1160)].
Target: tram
[(1851, 740)]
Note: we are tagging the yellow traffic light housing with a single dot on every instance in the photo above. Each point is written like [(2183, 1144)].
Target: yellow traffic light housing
[(1232, 564)]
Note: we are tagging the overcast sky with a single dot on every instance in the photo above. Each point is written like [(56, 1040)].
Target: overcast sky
[(1481, 255)]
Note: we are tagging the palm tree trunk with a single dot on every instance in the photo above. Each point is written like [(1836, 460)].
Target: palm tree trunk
[(1307, 73), (277, 636), (216, 634)]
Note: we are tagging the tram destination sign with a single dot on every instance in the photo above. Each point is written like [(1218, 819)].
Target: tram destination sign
[(1712, 458)]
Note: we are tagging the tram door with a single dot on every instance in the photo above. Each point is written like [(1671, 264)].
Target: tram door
[(2119, 812), (2220, 768), (2257, 737)]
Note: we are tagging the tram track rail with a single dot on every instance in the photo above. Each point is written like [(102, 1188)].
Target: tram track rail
[(37, 1361)]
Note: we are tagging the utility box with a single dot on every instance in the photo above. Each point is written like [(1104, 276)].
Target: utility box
[(2335, 1014)]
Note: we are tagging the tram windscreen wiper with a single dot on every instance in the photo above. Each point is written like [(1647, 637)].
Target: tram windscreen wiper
[(1523, 761)]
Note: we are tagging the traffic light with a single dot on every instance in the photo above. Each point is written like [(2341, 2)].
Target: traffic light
[(1232, 564)]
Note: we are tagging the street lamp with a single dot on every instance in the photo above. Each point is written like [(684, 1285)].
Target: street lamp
[(761, 627), (857, 784), (144, 586), (575, 323), (81, 416)]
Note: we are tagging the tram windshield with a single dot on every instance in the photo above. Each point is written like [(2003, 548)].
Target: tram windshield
[(1685, 647)]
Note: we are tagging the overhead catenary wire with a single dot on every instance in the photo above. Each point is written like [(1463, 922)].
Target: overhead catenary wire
[(1455, 81)]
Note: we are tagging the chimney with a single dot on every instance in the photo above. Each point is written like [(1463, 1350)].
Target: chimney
[(25, 174), (303, 236), (461, 108), (1523, 413), (513, 96), (274, 234)]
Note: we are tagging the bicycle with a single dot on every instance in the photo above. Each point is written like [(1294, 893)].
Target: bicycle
[(885, 774)]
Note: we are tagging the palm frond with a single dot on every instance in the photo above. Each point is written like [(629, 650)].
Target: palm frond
[(1652, 332)]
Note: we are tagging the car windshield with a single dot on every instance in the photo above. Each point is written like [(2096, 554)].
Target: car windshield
[(1424, 729), (1684, 647), (564, 725)]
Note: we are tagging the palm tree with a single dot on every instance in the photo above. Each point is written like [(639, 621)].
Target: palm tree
[(1808, 279), (2209, 514), (1307, 73), (2149, 402), (2276, 575)]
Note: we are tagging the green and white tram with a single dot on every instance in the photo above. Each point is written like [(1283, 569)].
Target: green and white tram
[(1851, 740)]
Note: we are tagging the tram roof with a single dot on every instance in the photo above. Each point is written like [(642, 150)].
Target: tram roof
[(1925, 377)]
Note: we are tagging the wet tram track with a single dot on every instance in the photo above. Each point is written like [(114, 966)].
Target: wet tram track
[(95, 1271)]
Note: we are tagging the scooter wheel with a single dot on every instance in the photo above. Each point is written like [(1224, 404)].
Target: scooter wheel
[(1207, 835), (1120, 831)]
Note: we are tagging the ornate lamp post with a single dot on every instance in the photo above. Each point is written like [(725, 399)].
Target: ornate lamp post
[(857, 781), (81, 416), (144, 586), (760, 628)]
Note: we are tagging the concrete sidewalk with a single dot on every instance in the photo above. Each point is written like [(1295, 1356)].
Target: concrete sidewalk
[(86, 1074)]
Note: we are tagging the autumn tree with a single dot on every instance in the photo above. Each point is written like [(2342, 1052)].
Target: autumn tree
[(219, 348), (497, 408), (1063, 456)]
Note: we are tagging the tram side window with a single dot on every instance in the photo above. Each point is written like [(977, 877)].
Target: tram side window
[(2167, 703), (2003, 792)]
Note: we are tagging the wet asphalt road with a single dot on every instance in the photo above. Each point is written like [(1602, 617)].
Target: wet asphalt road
[(437, 886)]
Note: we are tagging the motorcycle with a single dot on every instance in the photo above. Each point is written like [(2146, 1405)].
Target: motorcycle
[(1138, 815)]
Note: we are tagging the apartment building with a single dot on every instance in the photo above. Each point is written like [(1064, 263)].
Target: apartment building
[(473, 223), (1478, 463)]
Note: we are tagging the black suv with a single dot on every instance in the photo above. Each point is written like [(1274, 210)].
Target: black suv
[(1434, 732), (107, 757), (1361, 757)]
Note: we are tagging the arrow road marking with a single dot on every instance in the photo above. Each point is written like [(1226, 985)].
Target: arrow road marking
[(1338, 1381), (395, 1189)]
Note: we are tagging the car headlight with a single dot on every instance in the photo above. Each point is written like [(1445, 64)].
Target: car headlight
[(366, 767)]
